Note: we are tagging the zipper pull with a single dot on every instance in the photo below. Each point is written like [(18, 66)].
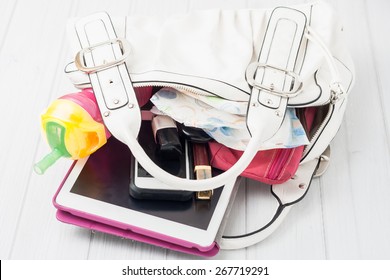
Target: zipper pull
[(336, 93)]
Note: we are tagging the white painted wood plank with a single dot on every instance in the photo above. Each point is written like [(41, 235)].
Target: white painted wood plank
[(158, 8), (217, 4), (6, 12), (7, 8), (300, 236), (368, 154), (264, 4), (86, 7), (104, 246), (236, 223), (28, 64), (378, 23), (337, 193), (39, 235), (34, 62)]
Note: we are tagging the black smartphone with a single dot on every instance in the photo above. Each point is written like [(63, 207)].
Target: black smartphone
[(145, 186)]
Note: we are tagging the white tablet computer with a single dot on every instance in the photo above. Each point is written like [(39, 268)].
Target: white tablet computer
[(97, 188)]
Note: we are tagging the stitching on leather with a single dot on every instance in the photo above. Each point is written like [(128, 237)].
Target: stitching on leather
[(270, 163)]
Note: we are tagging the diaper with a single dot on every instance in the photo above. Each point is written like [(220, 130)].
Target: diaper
[(224, 120)]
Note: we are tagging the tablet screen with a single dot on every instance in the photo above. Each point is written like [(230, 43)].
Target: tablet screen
[(106, 177)]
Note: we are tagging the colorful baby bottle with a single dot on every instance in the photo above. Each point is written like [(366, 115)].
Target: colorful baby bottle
[(73, 128)]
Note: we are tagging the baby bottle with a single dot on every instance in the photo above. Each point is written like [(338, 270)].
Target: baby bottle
[(73, 128)]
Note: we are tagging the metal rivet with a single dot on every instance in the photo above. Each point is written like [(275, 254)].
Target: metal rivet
[(116, 101), (278, 113), (302, 186), (106, 114), (131, 105), (254, 104), (272, 86), (269, 102)]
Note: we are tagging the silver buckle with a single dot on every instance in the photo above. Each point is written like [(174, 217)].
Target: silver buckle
[(250, 77), (80, 62)]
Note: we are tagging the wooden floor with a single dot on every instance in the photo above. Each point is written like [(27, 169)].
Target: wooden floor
[(346, 214)]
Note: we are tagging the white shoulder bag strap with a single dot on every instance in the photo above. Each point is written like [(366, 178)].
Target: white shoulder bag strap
[(103, 57), (287, 194)]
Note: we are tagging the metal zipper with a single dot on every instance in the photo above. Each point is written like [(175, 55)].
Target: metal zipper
[(279, 163), (319, 130), (284, 154), (188, 88)]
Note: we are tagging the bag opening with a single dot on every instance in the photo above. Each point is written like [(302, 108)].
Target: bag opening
[(272, 166)]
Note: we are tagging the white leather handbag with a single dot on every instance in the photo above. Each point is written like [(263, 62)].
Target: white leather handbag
[(288, 57)]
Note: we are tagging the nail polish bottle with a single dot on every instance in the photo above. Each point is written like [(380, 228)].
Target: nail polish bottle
[(166, 137)]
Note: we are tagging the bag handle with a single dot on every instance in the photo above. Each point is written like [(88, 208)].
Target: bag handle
[(102, 58), (287, 194), (336, 88)]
